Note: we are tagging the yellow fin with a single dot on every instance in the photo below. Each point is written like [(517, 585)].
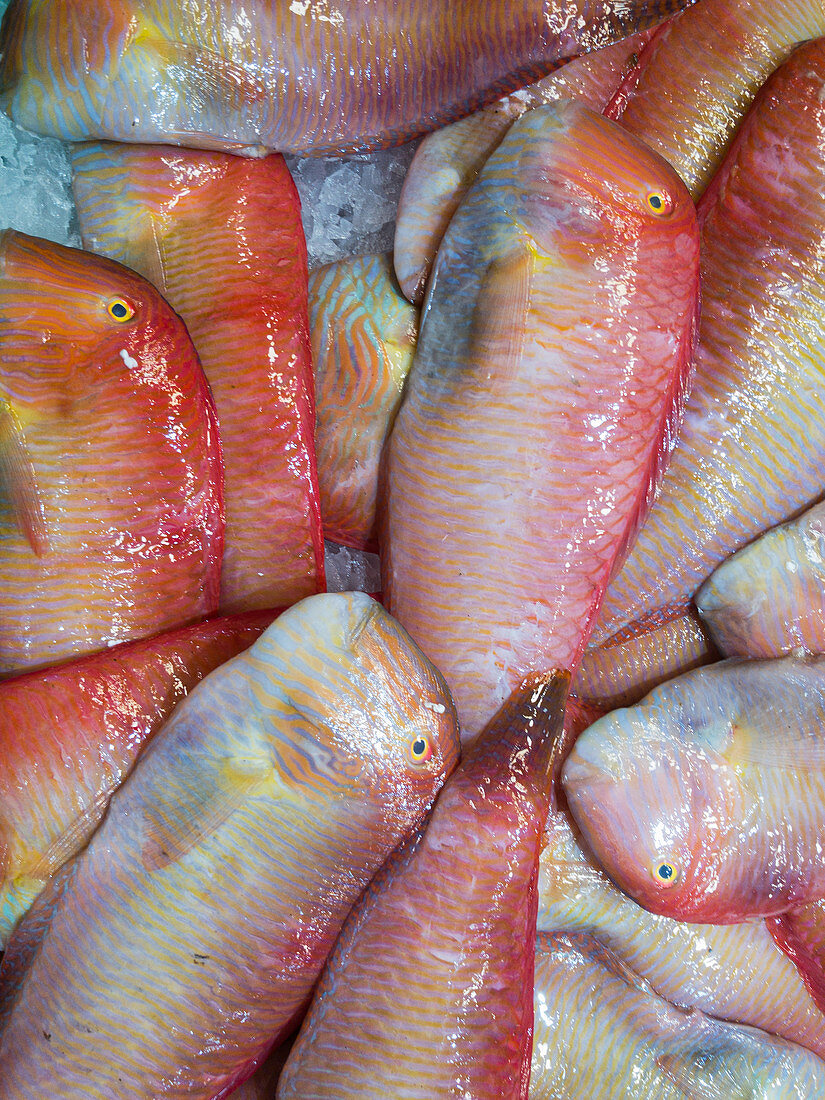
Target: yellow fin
[(71, 840), (500, 315), (17, 475)]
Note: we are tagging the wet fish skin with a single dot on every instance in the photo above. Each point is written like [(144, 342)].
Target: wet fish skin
[(437, 957), (314, 77), (213, 890), (705, 801), (602, 1031), (69, 735), (112, 523), (523, 340), (222, 240), (363, 337)]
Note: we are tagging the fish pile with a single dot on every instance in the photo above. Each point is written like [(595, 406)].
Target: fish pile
[(542, 817)]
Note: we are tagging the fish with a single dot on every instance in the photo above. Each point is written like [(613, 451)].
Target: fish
[(69, 736), (767, 598), (744, 461), (302, 76), (449, 159), (111, 479), (363, 334), (436, 960), (702, 72), (221, 238), (705, 801), (602, 1031), (734, 972), (541, 402), (211, 893)]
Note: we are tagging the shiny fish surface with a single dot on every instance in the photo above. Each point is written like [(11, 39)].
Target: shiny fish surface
[(702, 73), (769, 597), (706, 801), (316, 76), (222, 240), (363, 338), (437, 958), (752, 445), (69, 735), (732, 971), (210, 896), (111, 513), (448, 160), (554, 344), (602, 1032)]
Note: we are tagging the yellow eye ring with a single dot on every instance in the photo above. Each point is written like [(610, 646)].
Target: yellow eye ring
[(665, 873), (658, 203), (120, 310), (421, 749)]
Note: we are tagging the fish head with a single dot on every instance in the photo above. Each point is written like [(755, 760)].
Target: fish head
[(661, 809)]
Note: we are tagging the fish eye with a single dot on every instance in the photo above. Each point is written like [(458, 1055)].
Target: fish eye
[(421, 749), (120, 310), (658, 203), (665, 873)]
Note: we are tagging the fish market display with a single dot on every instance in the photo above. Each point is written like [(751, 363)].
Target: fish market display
[(541, 401), (69, 735), (730, 971), (701, 72), (111, 516), (213, 890), (706, 801), (769, 597), (317, 76), (448, 160), (363, 338), (221, 238), (601, 1031), (437, 958), (752, 446)]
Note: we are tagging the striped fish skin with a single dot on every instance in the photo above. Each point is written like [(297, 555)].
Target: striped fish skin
[(601, 1031), (222, 240), (319, 76), (705, 802), (731, 971), (437, 958), (364, 334), (69, 735), (448, 160), (111, 526), (751, 448), (216, 885), (694, 88), (561, 308), (767, 599)]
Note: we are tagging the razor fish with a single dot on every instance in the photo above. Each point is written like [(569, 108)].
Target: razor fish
[(437, 957), (111, 512), (316, 76), (541, 402), (214, 889), (221, 238)]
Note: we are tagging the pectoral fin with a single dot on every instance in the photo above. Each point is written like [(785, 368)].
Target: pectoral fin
[(500, 318), (18, 480)]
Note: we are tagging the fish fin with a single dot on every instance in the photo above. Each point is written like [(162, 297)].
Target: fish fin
[(589, 945), (72, 839), (210, 792), (204, 75), (776, 746), (682, 1072), (17, 474), (500, 316), (800, 933)]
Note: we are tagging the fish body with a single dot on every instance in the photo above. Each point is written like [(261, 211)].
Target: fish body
[(316, 76), (221, 238), (437, 957), (216, 885), (734, 972), (69, 736), (602, 1031), (363, 338), (111, 511), (706, 801), (769, 597), (750, 452), (541, 401)]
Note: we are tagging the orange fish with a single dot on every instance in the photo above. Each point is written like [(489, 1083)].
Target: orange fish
[(112, 528)]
